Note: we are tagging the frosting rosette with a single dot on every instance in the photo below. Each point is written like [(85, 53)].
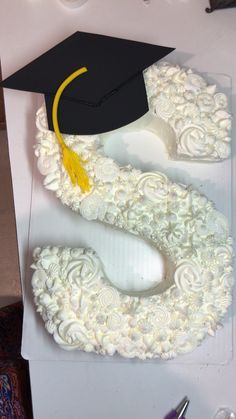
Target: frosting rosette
[(108, 297), (84, 270), (70, 333), (106, 170), (188, 277), (194, 82), (93, 207), (161, 316), (223, 149), (221, 101), (114, 321), (164, 107), (153, 186), (224, 254), (206, 102), (41, 121), (192, 141), (47, 164)]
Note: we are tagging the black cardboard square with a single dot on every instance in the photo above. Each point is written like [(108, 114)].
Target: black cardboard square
[(109, 95)]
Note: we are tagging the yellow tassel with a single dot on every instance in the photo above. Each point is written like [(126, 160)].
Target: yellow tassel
[(74, 168), (71, 160)]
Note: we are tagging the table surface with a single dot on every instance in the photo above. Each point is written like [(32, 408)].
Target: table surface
[(204, 42)]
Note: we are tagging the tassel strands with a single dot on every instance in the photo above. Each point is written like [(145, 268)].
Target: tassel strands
[(71, 160)]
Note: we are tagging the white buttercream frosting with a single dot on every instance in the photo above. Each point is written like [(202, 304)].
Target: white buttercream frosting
[(181, 223), (78, 304), (83, 311), (197, 113)]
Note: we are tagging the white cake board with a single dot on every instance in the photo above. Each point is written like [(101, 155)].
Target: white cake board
[(53, 224)]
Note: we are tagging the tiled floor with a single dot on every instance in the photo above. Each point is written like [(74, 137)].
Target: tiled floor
[(10, 290)]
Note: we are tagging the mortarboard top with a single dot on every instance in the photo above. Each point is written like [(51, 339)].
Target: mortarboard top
[(109, 95), (99, 82)]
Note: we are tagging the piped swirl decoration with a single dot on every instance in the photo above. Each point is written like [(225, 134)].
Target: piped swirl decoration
[(80, 307)]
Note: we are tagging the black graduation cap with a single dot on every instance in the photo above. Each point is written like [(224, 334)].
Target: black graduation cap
[(109, 95), (99, 83), (220, 4)]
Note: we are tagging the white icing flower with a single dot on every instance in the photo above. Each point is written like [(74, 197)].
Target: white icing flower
[(48, 260), (93, 207), (66, 254), (41, 120), (178, 99), (47, 164), (66, 311), (45, 299), (121, 195), (188, 277), (145, 326), (106, 170), (192, 142), (170, 70), (114, 321), (194, 82), (180, 77), (211, 89), (223, 149), (223, 303), (191, 110), (171, 90), (225, 125), (109, 348), (154, 186), (71, 332), (53, 270), (221, 101), (39, 279), (228, 280), (185, 342), (50, 326), (52, 181), (224, 254), (195, 302), (126, 346), (189, 96), (76, 253), (205, 102), (177, 235), (108, 297), (161, 316), (164, 107), (220, 115), (217, 224), (198, 201), (84, 270), (47, 146)]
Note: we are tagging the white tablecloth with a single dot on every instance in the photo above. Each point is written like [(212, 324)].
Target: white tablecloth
[(71, 390)]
